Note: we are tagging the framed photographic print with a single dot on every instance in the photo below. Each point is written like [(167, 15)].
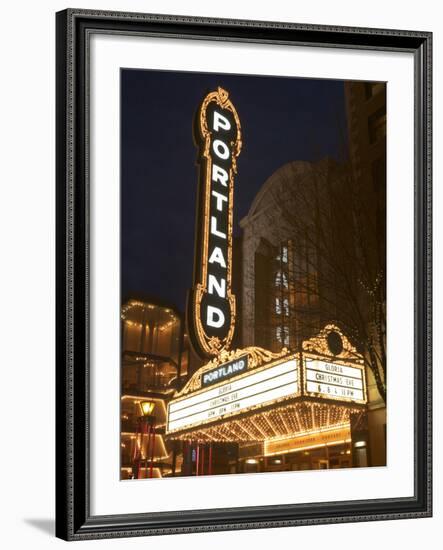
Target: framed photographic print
[(243, 274)]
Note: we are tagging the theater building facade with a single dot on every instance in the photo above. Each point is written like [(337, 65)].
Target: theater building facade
[(289, 289)]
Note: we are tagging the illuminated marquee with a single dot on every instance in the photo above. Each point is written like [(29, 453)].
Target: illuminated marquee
[(335, 381), (211, 308), (258, 388), (292, 401)]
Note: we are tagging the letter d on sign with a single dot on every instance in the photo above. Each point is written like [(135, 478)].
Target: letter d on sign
[(219, 319)]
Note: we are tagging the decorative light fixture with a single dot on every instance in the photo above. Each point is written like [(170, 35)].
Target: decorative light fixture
[(147, 407)]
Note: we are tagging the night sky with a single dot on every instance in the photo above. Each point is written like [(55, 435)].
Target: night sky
[(282, 119)]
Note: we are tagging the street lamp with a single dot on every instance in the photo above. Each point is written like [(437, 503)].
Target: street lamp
[(147, 408), (147, 426)]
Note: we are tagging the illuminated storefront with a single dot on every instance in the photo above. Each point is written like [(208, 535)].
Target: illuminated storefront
[(151, 347)]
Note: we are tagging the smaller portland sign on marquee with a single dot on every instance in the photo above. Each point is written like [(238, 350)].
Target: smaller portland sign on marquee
[(225, 371), (211, 304)]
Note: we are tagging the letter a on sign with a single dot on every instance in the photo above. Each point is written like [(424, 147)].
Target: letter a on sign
[(211, 302)]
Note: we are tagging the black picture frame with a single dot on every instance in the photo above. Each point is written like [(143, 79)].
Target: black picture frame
[(74, 521)]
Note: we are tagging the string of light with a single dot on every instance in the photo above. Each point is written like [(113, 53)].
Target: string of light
[(290, 420)]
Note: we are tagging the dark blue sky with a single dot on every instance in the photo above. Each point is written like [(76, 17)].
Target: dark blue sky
[(283, 119)]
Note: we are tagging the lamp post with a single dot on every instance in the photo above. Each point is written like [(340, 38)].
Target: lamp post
[(147, 408), (147, 426)]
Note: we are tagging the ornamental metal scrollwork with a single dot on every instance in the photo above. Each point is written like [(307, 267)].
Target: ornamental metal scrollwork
[(319, 344)]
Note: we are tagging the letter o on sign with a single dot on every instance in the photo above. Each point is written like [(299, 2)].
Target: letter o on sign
[(220, 149)]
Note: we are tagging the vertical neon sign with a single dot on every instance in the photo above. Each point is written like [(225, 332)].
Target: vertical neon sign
[(212, 307)]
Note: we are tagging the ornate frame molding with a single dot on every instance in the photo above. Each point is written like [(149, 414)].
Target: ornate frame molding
[(73, 31)]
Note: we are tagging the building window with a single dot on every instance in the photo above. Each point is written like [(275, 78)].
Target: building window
[(283, 256), (307, 291), (305, 275), (282, 335), (281, 279), (282, 306)]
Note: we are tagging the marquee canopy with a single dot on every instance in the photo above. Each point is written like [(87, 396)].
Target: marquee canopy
[(253, 394)]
